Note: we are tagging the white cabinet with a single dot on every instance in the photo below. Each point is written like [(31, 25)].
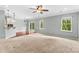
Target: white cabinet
[(10, 33)]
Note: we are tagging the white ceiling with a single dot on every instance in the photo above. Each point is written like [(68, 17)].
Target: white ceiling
[(23, 11)]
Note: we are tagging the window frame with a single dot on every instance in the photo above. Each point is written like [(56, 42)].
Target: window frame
[(31, 30), (65, 19), (40, 24)]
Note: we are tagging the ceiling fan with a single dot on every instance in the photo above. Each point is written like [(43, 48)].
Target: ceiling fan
[(39, 9)]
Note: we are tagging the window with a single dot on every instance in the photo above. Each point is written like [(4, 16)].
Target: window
[(66, 24), (41, 24), (32, 26)]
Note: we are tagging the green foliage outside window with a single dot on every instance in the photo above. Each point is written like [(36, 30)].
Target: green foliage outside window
[(66, 24)]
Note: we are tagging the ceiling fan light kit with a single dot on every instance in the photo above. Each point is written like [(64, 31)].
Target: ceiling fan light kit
[(39, 9)]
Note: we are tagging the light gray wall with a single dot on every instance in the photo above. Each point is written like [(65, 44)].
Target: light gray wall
[(2, 30), (53, 26), (20, 25), (78, 26)]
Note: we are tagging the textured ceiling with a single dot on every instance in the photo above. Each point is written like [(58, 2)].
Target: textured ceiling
[(23, 11)]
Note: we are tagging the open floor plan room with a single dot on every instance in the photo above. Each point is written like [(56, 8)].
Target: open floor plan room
[(39, 28)]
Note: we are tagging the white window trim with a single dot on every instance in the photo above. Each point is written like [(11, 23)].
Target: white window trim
[(61, 24), (31, 30)]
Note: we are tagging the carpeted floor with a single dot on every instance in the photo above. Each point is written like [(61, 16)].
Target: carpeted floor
[(38, 43)]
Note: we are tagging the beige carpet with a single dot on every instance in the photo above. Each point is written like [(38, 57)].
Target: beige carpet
[(38, 43)]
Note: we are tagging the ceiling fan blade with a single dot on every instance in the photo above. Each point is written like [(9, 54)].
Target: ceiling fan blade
[(39, 6), (32, 8), (34, 11), (45, 10)]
